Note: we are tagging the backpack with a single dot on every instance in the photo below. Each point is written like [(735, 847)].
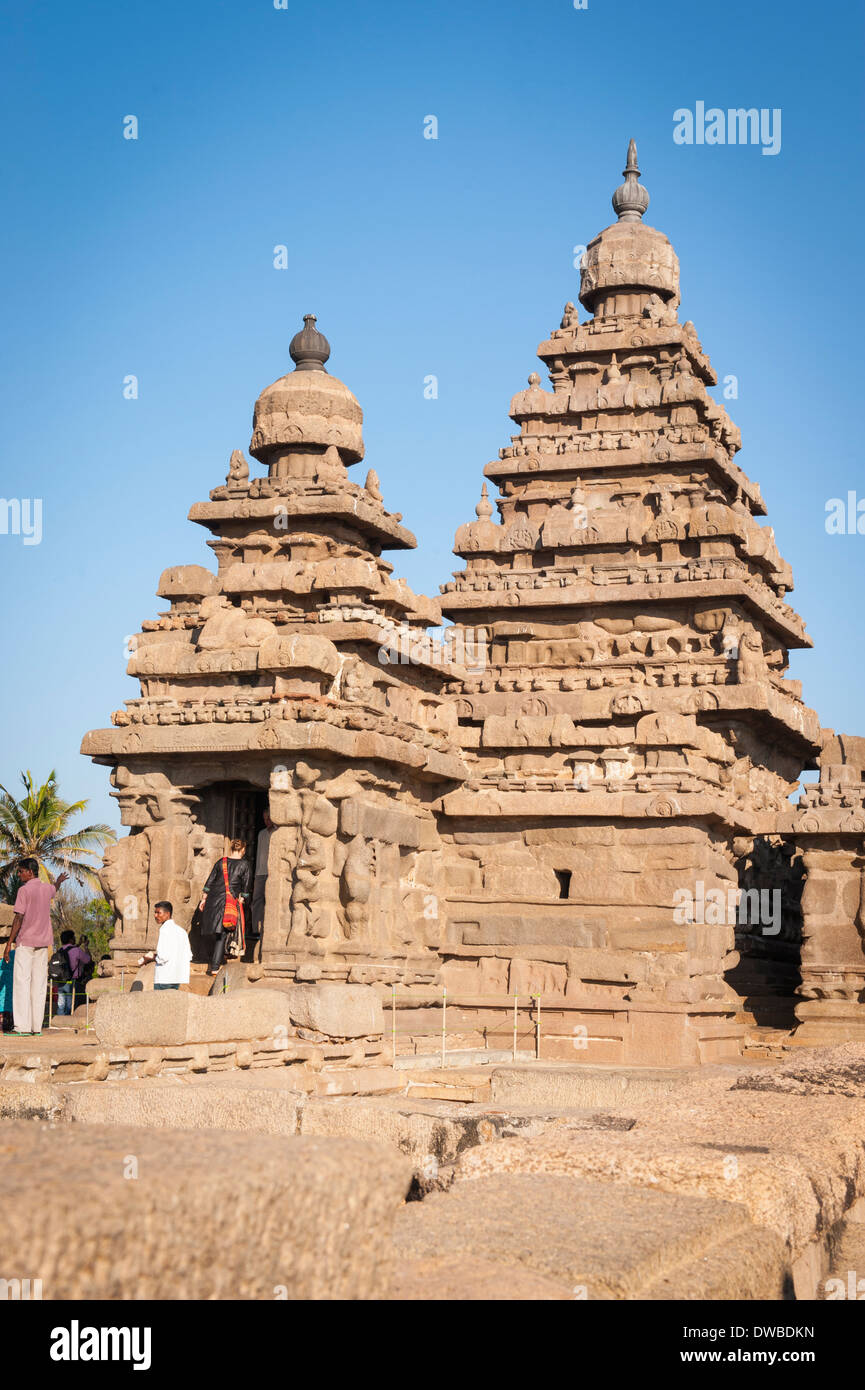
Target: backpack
[(59, 968)]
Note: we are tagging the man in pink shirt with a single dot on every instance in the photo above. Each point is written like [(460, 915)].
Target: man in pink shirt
[(33, 938)]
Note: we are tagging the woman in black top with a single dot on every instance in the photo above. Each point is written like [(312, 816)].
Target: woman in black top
[(212, 905)]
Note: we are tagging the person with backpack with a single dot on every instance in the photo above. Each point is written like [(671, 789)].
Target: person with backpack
[(223, 901), (69, 968)]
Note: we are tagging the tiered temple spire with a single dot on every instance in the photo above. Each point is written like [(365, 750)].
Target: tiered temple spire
[(635, 620)]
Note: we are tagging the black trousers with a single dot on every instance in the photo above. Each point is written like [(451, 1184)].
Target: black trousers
[(218, 955)]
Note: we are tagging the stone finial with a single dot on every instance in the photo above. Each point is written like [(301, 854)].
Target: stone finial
[(309, 349), (630, 199), (484, 509), (372, 485), (238, 468)]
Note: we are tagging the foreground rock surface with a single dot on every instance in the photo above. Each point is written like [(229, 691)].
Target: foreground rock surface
[(147, 1215), (584, 1240)]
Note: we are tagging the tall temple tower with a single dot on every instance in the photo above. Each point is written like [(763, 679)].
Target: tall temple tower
[(634, 730)]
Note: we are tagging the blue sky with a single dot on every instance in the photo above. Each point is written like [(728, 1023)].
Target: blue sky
[(304, 127)]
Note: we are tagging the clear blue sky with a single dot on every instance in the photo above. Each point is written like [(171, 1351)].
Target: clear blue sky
[(304, 126)]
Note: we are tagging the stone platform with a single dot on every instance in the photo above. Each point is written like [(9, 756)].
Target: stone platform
[(540, 1181)]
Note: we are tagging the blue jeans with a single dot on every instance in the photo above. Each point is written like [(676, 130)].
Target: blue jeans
[(65, 997), (166, 986)]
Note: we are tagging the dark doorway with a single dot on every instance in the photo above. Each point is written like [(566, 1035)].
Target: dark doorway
[(246, 809), (228, 811)]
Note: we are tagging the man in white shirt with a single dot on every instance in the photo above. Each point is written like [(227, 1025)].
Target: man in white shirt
[(173, 951), (262, 850)]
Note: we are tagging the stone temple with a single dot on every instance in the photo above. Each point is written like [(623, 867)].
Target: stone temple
[(584, 794)]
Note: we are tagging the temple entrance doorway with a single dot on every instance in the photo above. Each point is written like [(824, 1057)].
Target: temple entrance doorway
[(228, 811)]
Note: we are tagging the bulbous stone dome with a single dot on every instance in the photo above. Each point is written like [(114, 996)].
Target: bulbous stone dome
[(628, 256), (307, 408)]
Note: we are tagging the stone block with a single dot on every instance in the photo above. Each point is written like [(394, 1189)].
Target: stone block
[(536, 977), (649, 938), (106, 984), (246, 1014), (233, 975), (572, 835), (385, 823), (165, 1017), (624, 967), (150, 1019), (209, 1215), (819, 895), (564, 1087), (338, 1011), (359, 1081), (507, 929), (267, 1110)]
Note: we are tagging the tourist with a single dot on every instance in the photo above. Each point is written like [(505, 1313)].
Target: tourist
[(32, 937), (173, 951), (258, 888), (7, 1022), (222, 902), (79, 964)]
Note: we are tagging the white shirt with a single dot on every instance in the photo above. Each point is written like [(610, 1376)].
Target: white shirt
[(262, 850), (173, 954)]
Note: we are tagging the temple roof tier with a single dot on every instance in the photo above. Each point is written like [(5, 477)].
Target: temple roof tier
[(765, 704), (522, 805), (632, 458), (349, 506), (527, 591), (593, 340), (310, 731)]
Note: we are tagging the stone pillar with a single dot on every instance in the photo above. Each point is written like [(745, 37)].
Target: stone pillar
[(833, 951)]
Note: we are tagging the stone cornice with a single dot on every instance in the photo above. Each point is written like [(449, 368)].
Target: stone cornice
[(290, 737), (350, 508)]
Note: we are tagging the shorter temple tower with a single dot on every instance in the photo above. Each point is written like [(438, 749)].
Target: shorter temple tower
[(276, 682)]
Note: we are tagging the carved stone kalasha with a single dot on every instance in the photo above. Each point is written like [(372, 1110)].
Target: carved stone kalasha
[(607, 733)]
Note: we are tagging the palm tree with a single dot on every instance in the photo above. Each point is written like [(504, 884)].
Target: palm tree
[(37, 827)]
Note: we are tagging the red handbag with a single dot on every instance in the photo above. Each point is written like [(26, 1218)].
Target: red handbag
[(231, 911)]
